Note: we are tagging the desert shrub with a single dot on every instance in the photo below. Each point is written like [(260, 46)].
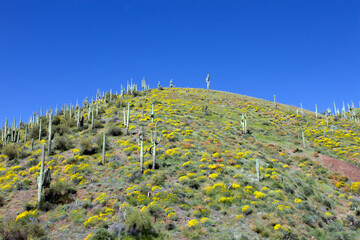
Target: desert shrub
[(115, 131), (86, 146), (13, 230), (307, 191), (32, 163), (102, 234), (59, 192), (56, 120), (62, 143), (23, 154), (11, 151), (139, 223), (98, 124), (158, 179), (155, 210)]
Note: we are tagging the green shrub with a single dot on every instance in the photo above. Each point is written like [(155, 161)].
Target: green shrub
[(158, 179), (86, 146), (12, 230), (139, 223), (115, 131), (11, 151), (59, 192), (62, 143), (102, 234)]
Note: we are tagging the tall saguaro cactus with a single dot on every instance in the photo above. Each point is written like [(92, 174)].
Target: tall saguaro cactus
[(141, 141), (103, 149), (40, 129), (49, 140), (45, 177), (258, 169), (152, 112), (155, 142), (128, 119)]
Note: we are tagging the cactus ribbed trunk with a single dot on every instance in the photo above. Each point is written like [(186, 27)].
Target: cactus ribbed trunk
[(41, 177), (26, 129), (103, 149), (141, 140), (128, 119), (155, 142), (258, 169), (40, 129), (152, 113), (50, 128)]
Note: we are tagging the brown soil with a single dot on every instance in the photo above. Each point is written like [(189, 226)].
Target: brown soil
[(335, 165)]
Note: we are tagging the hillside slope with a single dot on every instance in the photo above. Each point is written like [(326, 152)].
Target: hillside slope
[(204, 183)]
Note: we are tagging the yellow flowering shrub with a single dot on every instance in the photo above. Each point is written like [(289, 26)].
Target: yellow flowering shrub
[(101, 199), (193, 223), (259, 194), (355, 187), (277, 227), (245, 208), (27, 216), (214, 175)]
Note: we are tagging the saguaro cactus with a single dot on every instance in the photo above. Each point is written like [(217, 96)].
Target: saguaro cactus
[(45, 177), (103, 149), (141, 141), (40, 129), (207, 82), (155, 142), (258, 169), (49, 140), (303, 139), (171, 85), (244, 123), (275, 104), (152, 113), (128, 119)]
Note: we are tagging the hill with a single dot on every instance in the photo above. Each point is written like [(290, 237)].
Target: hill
[(180, 164)]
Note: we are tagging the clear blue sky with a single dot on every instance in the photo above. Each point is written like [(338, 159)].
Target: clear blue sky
[(54, 52)]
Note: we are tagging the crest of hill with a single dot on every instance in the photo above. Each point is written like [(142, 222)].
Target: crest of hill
[(221, 166)]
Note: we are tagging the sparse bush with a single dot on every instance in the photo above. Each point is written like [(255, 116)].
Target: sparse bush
[(32, 163), (98, 124), (62, 143), (139, 223), (115, 131), (86, 146), (102, 234), (59, 192), (158, 179), (11, 151), (14, 230)]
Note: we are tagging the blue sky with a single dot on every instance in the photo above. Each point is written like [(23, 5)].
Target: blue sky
[(54, 52)]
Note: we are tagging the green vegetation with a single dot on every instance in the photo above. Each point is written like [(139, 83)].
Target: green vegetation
[(206, 165)]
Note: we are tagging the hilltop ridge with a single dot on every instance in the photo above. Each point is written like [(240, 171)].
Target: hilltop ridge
[(180, 164)]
